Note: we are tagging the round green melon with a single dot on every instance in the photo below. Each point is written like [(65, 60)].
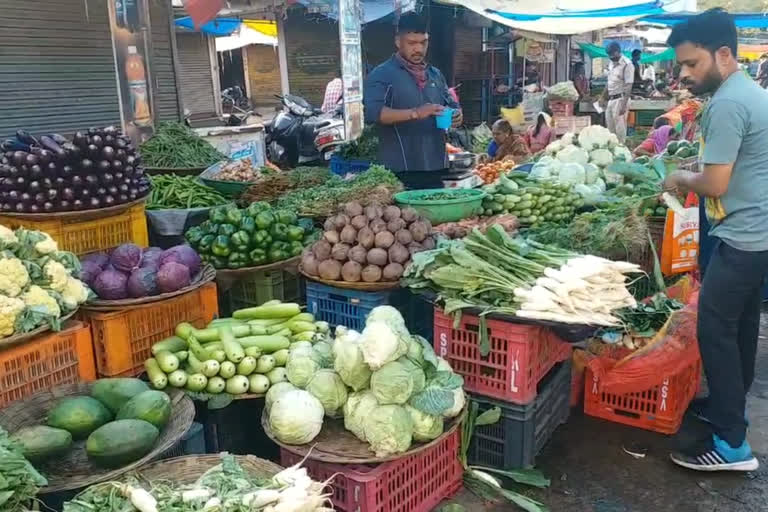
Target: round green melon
[(79, 415), (121, 442), (41, 442), (151, 406)]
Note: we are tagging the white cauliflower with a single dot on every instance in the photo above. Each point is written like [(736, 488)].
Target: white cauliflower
[(593, 137), (601, 157), (39, 300), (622, 153), (7, 236), (572, 174), (573, 154), (46, 246), (55, 275), (592, 173), (13, 277), (74, 293), (568, 138), (553, 147), (10, 309), (613, 141)]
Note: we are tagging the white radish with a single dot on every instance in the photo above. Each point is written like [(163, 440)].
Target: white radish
[(485, 477), (262, 498), (196, 495), (212, 505), (140, 498)]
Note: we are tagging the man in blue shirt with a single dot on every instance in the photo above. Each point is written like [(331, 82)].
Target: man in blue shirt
[(402, 96), (734, 183)]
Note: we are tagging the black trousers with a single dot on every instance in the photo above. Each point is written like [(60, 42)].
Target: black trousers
[(728, 327), (421, 180)]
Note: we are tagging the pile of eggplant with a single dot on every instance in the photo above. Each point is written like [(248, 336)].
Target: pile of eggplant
[(96, 169)]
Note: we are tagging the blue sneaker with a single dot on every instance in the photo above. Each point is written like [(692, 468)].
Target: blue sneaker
[(719, 457)]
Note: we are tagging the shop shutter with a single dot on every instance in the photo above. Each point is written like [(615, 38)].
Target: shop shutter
[(163, 75), (57, 71), (195, 78)]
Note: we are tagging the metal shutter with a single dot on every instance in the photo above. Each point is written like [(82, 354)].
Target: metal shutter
[(163, 75), (196, 80), (57, 71)]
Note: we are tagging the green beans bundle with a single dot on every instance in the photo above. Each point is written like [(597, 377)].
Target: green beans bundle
[(173, 191), (176, 146)]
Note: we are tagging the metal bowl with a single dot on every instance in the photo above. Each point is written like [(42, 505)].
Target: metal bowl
[(464, 160)]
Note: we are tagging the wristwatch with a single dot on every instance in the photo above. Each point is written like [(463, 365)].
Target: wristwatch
[(414, 114)]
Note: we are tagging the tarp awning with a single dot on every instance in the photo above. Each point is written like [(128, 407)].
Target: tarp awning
[(597, 52), (243, 37), (266, 27), (742, 20), (216, 27)]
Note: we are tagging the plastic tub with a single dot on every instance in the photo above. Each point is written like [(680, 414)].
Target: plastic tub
[(462, 203), (444, 119), (226, 188)]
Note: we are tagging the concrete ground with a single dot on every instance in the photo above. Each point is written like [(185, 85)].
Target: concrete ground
[(590, 471)]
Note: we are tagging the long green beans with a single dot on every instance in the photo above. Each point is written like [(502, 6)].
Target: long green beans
[(175, 145), (173, 191)]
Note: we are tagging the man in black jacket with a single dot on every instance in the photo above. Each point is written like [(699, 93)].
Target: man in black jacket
[(402, 97)]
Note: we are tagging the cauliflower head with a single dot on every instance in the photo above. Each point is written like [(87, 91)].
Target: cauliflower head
[(573, 154), (74, 293), (40, 300), (34, 244), (55, 275), (10, 309), (13, 277), (7, 236), (601, 157)]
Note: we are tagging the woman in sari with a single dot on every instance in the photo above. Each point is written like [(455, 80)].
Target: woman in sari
[(657, 140), (541, 134)]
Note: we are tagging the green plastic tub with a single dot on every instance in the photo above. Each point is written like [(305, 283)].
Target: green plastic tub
[(458, 203), (226, 188)]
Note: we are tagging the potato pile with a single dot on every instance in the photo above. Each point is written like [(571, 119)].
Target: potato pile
[(368, 244)]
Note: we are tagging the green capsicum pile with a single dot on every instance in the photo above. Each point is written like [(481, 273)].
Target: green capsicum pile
[(250, 237)]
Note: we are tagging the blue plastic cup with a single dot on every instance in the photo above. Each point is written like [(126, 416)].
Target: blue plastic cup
[(444, 119)]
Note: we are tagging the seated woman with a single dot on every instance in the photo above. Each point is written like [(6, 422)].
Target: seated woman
[(657, 140), (508, 144), (541, 134)]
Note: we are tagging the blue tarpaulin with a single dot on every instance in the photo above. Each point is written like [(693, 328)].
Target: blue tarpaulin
[(742, 20), (642, 9), (215, 27)]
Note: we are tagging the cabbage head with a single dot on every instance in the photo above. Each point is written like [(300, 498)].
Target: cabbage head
[(388, 429), (386, 314), (276, 391), (426, 427), (417, 373), (572, 174), (328, 387), (382, 343), (300, 369), (443, 365), (296, 417), (349, 364), (392, 383), (359, 405), (459, 399), (542, 171), (415, 350), (323, 354), (304, 347)]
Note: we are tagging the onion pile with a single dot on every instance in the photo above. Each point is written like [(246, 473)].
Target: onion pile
[(98, 168)]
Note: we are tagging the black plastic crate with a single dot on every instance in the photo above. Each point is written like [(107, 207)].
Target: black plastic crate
[(523, 430)]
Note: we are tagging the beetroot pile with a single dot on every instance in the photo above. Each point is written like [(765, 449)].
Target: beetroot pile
[(132, 272), (368, 244)]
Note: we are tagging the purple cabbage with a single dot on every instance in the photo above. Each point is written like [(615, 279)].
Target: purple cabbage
[(172, 276), (98, 258), (111, 285), (88, 271), (183, 254), (151, 257), (142, 282), (126, 257)]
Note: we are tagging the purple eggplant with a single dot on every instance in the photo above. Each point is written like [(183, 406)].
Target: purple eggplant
[(80, 140), (35, 172), (49, 144), (77, 204), (41, 198), (26, 138), (48, 206), (64, 205), (86, 165)]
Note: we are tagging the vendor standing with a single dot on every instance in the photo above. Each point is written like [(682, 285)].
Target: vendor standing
[(402, 97), (621, 76), (734, 184)]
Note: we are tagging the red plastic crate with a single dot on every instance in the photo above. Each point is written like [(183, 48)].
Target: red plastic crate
[(416, 483), (561, 108), (660, 408), (521, 355)]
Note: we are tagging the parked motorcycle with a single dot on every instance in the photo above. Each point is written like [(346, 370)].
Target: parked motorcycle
[(236, 107), (300, 134)]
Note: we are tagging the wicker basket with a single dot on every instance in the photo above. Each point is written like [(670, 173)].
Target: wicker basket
[(74, 470), (187, 469)]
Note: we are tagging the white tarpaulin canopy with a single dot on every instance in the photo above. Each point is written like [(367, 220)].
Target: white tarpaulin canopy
[(243, 37), (555, 17)]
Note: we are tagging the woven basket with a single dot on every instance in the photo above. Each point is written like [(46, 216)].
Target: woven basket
[(187, 469), (74, 470)]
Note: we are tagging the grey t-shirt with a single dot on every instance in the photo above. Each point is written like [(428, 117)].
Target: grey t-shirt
[(734, 128)]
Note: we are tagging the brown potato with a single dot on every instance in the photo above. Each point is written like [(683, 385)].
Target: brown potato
[(377, 226), (378, 257), (395, 225), (409, 214), (321, 250), (358, 253), (359, 221), (340, 252), (392, 272), (373, 212), (404, 237), (348, 235), (366, 237), (351, 271), (398, 253), (353, 208), (371, 274), (331, 236), (309, 264), (384, 239), (330, 270), (391, 213)]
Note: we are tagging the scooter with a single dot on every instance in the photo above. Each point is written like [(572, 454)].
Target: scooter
[(236, 107), (292, 134)]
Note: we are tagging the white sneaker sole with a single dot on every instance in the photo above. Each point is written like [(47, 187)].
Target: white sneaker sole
[(745, 465)]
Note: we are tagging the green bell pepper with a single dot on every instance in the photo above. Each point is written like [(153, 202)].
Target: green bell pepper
[(218, 262), (296, 248), (240, 241), (280, 246), (256, 208), (226, 229), (234, 215), (295, 233), (205, 243), (238, 260), (193, 236), (276, 254), (220, 246), (261, 240), (247, 224), (205, 258), (279, 232), (218, 215), (208, 227), (286, 217), (264, 220), (258, 257)]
